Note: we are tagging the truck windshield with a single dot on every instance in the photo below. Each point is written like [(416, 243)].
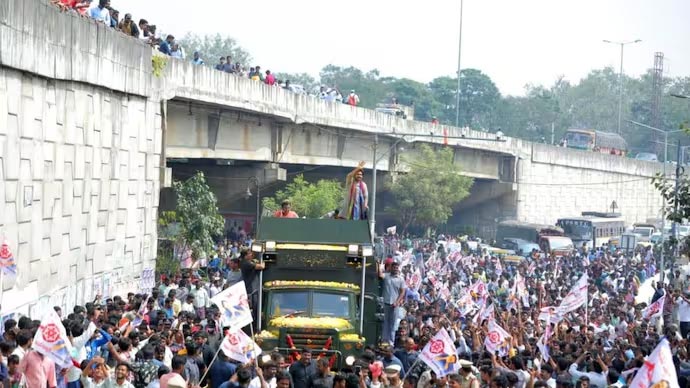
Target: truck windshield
[(289, 302), (323, 304), (331, 305)]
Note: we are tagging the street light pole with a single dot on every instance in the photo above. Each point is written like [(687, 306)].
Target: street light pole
[(620, 80), (372, 210), (457, 94), (261, 259), (663, 207)]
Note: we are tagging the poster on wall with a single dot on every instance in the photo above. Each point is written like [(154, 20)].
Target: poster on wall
[(106, 291), (80, 292), (97, 287), (148, 280), (87, 289), (8, 265)]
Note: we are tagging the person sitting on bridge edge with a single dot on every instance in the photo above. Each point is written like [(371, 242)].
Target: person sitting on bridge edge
[(284, 211)]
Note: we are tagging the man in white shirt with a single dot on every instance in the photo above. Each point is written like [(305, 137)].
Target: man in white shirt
[(24, 341), (270, 370), (101, 13), (684, 314)]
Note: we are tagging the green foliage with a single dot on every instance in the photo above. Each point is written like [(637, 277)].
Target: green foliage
[(158, 63), (196, 214), (212, 47), (425, 196), (311, 200)]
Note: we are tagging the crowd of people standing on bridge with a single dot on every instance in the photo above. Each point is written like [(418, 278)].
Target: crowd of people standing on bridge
[(103, 12)]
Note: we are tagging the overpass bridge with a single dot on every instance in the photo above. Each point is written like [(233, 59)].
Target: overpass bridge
[(214, 115), (89, 136)]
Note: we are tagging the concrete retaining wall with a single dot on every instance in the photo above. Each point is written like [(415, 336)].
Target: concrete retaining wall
[(80, 145), (557, 182)]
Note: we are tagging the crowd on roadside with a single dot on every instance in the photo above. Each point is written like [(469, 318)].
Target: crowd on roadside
[(517, 322), (169, 336)]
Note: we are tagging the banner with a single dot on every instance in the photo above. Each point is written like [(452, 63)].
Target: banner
[(8, 265), (52, 342), (440, 354), (575, 298), (238, 346), (658, 369), (234, 305), (655, 309), (550, 314), (543, 342), (497, 340)]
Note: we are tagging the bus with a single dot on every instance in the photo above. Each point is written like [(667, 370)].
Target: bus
[(551, 239), (525, 231), (597, 141), (592, 231)]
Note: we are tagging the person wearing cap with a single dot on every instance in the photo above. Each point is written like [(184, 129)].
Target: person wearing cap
[(392, 376), (388, 358), (285, 210), (465, 378), (303, 370), (393, 296)]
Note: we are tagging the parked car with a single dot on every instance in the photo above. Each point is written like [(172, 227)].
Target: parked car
[(647, 156)]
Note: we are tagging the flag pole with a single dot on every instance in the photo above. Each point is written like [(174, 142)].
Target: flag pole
[(208, 368), (251, 331)]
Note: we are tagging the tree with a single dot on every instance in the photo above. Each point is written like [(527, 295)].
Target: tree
[(311, 200), (212, 47), (196, 215), (426, 194), (479, 98)]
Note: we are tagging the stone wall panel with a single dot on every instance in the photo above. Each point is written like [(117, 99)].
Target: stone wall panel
[(73, 191)]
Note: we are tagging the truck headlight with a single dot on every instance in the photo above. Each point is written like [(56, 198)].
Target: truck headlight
[(350, 360)]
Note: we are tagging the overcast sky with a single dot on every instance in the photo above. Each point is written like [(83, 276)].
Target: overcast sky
[(514, 42)]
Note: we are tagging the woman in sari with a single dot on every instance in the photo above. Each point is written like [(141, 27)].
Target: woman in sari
[(357, 195)]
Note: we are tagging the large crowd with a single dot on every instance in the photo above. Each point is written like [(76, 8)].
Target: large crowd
[(428, 286)]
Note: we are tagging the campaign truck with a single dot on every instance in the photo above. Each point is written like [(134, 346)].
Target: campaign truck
[(319, 289)]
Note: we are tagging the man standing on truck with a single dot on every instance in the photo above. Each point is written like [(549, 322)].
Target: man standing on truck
[(285, 211), (393, 295), (250, 271)]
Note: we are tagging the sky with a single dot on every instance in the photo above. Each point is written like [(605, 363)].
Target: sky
[(515, 42)]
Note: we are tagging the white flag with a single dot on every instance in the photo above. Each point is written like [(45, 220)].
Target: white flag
[(550, 314), (576, 297), (52, 342), (238, 346), (440, 354), (497, 340), (234, 305), (658, 368), (655, 309)]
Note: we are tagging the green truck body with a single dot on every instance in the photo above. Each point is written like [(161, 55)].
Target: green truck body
[(311, 292)]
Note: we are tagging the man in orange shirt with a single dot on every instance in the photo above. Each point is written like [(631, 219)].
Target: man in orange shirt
[(285, 211)]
